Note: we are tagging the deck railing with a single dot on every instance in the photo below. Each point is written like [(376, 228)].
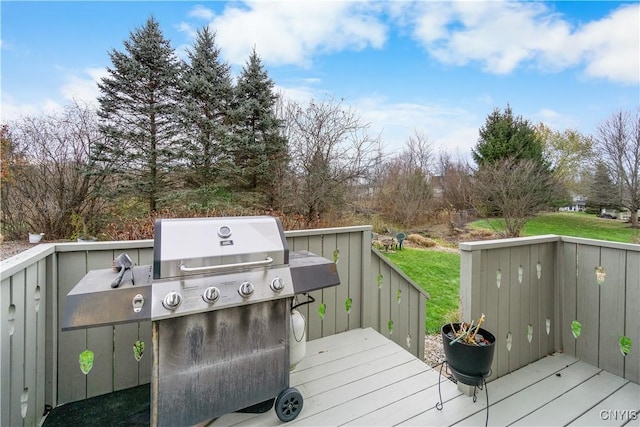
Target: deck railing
[(552, 293), (39, 362)]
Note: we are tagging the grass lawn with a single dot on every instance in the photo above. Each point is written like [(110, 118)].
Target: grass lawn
[(438, 273), (571, 224)]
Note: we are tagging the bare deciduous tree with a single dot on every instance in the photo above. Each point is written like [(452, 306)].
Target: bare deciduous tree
[(618, 143), (418, 152), (403, 194), (331, 155), (50, 184), (518, 189), (455, 182)]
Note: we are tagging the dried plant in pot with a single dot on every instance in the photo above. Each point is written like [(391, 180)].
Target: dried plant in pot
[(468, 350)]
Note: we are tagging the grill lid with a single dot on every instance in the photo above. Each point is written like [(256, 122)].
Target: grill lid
[(189, 246)]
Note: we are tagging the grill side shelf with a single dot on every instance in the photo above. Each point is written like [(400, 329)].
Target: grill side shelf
[(93, 302), (310, 272)]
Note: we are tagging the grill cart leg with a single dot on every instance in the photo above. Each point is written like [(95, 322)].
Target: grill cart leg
[(288, 404)]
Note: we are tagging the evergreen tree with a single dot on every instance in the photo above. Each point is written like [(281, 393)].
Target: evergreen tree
[(259, 149), (138, 114), (513, 179), (603, 193), (504, 136), (206, 95)]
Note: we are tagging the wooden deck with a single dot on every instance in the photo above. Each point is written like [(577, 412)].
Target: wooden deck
[(361, 378)]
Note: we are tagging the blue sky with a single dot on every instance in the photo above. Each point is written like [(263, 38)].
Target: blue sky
[(434, 67)]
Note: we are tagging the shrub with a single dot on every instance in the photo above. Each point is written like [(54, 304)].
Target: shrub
[(421, 240)]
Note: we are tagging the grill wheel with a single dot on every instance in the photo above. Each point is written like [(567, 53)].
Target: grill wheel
[(288, 404)]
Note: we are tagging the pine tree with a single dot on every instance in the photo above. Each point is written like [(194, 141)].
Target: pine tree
[(259, 150), (504, 136), (513, 179), (206, 95), (138, 114), (603, 193)]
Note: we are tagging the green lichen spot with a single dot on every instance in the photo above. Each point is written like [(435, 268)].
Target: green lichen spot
[(576, 328), (390, 326), (322, 310), (336, 255), (347, 305), (138, 350), (379, 279), (86, 361), (625, 345)]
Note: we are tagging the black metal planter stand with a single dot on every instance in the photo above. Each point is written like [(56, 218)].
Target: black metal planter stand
[(478, 383)]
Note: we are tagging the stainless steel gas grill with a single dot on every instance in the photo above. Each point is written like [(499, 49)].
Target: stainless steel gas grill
[(219, 295), (206, 264)]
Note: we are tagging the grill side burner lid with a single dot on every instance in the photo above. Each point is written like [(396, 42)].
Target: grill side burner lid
[(188, 246), (311, 272), (92, 302)]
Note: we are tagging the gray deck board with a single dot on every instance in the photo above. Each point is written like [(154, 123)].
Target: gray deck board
[(360, 378), (581, 399), (625, 398), (534, 396)]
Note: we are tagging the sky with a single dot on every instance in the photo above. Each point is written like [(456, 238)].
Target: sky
[(405, 67)]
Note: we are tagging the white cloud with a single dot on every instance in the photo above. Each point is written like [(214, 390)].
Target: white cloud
[(555, 120), (13, 110), (77, 88), (611, 46), (300, 94), (502, 36), (431, 24), (185, 27), (451, 129), (201, 12), (291, 32), (83, 88)]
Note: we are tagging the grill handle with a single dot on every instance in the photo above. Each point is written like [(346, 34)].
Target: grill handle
[(266, 261)]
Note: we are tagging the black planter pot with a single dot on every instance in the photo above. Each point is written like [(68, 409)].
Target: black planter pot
[(469, 364)]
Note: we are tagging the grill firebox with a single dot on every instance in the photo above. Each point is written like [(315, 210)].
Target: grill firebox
[(219, 294)]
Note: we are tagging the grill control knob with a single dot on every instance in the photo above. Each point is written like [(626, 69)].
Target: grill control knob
[(211, 295), (172, 300), (246, 289), (277, 284)]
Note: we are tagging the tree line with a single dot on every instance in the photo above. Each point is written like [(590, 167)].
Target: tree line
[(183, 136)]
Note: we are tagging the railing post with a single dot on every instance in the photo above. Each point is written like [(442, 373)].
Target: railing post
[(470, 282), (369, 294)]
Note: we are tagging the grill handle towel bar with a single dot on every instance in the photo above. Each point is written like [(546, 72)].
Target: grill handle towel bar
[(266, 261)]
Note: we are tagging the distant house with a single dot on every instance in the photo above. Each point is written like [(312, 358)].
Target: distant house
[(578, 204)]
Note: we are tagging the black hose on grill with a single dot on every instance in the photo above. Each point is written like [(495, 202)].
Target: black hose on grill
[(308, 301)]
